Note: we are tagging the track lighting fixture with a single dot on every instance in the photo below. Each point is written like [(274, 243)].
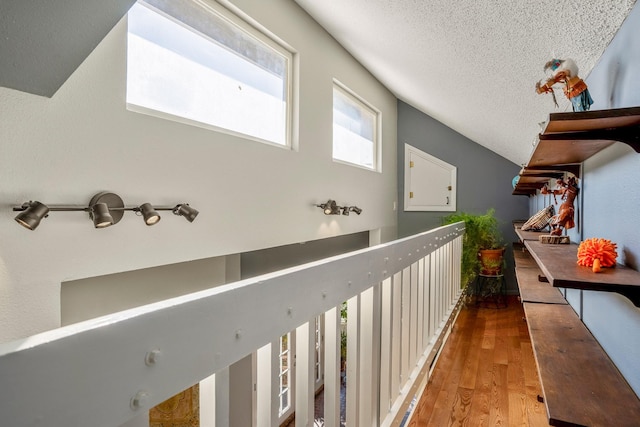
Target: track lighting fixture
[(105, 209), (355, 209), (331, 208), (186, 211)]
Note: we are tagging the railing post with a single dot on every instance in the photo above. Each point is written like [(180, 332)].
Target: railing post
[(426, 278), (241, 392), (366, 360), (353, 358), (266, 386), (208, 402), (421, 310), (332, 367), (413, 319), (433, 294), (385, 348), (396, 336), (406, 326), (222, 398), (304, 389), (376, 354)]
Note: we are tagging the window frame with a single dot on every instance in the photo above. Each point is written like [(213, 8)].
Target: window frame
[(252, 30), (284, 372), (318, 350), (377, 127)]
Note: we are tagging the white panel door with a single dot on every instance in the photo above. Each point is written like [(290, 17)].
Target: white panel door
[(430, 183)]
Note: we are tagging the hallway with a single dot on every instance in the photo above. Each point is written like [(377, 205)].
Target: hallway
[(486, 374)]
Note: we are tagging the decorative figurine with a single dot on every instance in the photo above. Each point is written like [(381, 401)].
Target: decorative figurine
[(575, 89), (568, 191)]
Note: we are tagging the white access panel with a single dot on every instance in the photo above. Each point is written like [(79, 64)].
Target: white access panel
[(429, 183)]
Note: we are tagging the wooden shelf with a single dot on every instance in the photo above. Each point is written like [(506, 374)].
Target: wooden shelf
[(570, 138), (522, 258), (559, 265), (533, 290), (594, 120), (529, 184), (564, 348), (581, 385), (532, 285), (550, 152), (528, 235)]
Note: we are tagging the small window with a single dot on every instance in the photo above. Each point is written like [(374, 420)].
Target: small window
[(355, 129), (284, 374), (193, 64), (318, 350)]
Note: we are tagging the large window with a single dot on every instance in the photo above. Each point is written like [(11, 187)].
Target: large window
[(355, 129), (192, 63)]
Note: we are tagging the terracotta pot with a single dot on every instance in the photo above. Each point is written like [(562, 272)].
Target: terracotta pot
[(491, 261)]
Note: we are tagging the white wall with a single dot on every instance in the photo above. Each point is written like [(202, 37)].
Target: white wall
[(64, 149), (97, 296)]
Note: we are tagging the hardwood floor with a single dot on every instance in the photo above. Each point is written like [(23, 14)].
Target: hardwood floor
[(486, 374)]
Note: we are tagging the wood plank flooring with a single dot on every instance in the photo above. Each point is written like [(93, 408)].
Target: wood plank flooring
[(486, 374)]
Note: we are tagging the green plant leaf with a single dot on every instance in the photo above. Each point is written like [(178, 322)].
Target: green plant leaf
[(481, 232)]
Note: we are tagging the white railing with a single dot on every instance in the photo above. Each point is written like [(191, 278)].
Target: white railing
[(108, 370)]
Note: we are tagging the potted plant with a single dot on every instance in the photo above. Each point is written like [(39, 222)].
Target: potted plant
[(482, 242)]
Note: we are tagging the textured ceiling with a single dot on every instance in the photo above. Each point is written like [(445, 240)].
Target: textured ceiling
[(473, 64)]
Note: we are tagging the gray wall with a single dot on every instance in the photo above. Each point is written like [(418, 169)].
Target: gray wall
[(484, 178), (611, 202), (43, 42)]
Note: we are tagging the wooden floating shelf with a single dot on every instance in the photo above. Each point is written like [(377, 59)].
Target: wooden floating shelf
[(581, 385), (563, 347), (528, 277), (571, 138), (552, 171), (533, 290), (528, 235), (559, 265), (594, 120), (550, 152)]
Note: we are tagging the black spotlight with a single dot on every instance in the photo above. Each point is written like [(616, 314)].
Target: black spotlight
[(101, 216), (32, 214), (149, 214), (186, 211), (355, 209)]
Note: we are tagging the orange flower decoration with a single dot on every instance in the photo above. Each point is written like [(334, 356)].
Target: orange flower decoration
[(596, 253)]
